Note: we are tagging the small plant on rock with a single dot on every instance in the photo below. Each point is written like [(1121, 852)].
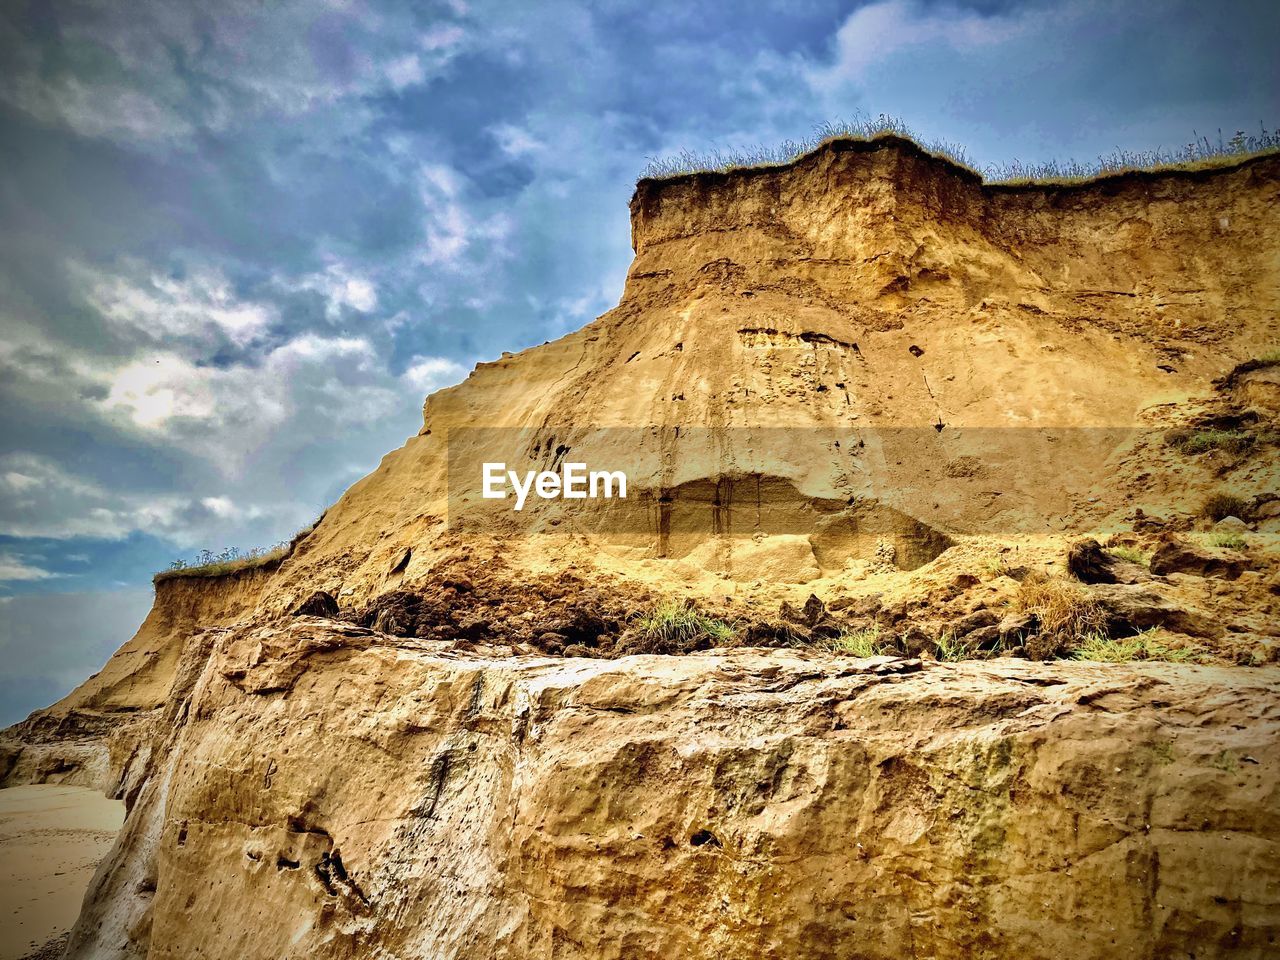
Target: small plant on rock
[(1130, 555), (865, 642), (1151, 644), (676, 625), (1228, 541), (996, 567), (1201, 441), (950, 648)]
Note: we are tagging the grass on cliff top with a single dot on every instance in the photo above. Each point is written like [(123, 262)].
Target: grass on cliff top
[(233, 560), (210, 564), (1198, 154)]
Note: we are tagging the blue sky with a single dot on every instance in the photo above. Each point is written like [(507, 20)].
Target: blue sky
[(242, 241)]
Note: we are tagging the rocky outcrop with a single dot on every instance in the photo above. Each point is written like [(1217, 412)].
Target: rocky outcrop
[(1180, 556), (350, 794), (866, 401)]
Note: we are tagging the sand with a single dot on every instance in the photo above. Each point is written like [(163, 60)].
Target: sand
[(51, 840)]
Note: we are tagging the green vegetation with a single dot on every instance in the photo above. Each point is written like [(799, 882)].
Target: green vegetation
[(1131, 554), (1219, 506), (866, 642), (1200, 153), (996, 567), (1271, 358), (679, 624), (1201, 441), (949, 648), (1150, 645), (233, 560), (1228, 541), (230, 560), (747, 158), (1064, 610)]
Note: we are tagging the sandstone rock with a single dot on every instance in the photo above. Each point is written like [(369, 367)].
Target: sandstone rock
[(971, 622), (1231, 525), (1182, 556), (408, 787), (778, 559), (695, 807), (1133, 608)]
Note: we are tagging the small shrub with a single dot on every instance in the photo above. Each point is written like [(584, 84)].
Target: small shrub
[(1219, 506), (1202, 441), (1131, 555), (679, 625), (856, 643), (1064, 609), (1228, 541), (1271, 358), (1150, 645)]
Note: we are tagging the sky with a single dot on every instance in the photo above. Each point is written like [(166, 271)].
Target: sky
[(243, 241)]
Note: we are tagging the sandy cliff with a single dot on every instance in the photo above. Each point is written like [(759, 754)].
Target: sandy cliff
[(866, 377)]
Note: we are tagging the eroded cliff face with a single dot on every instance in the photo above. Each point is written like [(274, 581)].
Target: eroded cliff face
[(814, 373), (341, 793)]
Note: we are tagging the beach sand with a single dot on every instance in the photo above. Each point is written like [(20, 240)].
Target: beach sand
[(51, 840)]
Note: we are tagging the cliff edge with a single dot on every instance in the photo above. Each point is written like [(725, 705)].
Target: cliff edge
[(876, 418)]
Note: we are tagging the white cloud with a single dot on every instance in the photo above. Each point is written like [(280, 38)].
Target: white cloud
[(428, 374), (130, 73), (201, 307), (452, 230), (106, 109), (515, 141), (874, 33), (14, 568), (66, 505), (225, 413), (61, 504), (405, 72), (342, 288), (443, 37)]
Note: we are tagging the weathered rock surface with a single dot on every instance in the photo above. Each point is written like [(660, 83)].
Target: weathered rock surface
[(350, 794), (1180, 556), (866, 378)]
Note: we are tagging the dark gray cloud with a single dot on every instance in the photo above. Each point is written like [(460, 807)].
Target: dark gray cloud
[(243, 240)]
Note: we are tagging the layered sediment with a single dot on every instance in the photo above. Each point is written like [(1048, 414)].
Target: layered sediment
[(865, 377)]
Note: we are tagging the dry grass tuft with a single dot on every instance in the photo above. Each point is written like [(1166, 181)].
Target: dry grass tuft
[(1201, 441), (1065, 610)]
